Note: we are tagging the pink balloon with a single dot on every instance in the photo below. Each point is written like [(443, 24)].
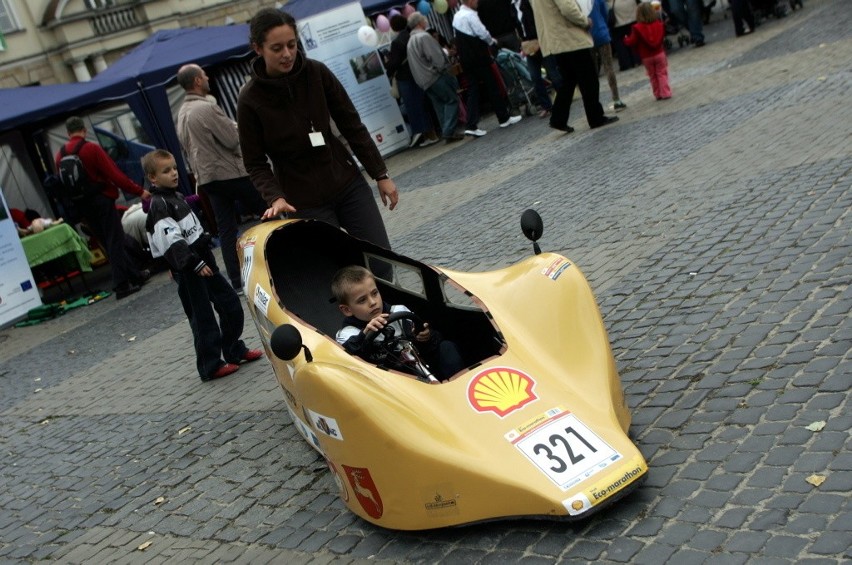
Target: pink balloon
[(383, 24), (408, 10)]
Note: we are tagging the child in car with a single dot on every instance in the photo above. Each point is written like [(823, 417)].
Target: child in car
[(359, 299)]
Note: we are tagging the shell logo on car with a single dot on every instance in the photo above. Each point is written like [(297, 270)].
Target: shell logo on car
[(500, 390)]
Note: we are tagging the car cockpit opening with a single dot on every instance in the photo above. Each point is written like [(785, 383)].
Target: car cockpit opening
[(303, 257)]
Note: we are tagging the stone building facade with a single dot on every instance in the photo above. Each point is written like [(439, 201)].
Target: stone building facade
[(56, 41)]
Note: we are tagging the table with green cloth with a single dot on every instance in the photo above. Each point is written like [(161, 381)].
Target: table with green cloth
[(56, 242)]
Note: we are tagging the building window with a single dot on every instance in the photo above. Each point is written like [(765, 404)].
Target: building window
[(8, 19)]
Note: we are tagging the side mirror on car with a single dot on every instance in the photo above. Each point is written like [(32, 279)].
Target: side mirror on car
[(533, 227), (286, 343)]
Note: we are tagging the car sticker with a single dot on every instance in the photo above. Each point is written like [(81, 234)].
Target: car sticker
[(365, 490), (261, 299), (338, 480), (598, 494), (565, 449), (500, 390), (306, 432), (248, 255), (577, 504), (324, 424), (556, 268), (536, 422), (440, 500)]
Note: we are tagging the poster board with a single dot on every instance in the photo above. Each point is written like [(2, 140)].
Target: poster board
[(332, 38), (18, 291)]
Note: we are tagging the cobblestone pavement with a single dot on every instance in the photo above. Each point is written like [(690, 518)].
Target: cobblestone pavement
[(714, 228)]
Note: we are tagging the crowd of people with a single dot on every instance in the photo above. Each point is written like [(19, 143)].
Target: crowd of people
[(281, 156)]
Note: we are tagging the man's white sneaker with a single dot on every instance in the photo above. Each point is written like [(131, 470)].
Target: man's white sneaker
[(475, 132), (511, 121), (415, 139)]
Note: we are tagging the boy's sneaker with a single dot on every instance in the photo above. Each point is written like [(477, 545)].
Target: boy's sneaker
[(618, 105), (223, 371), (475, 132), (511, 121), (252, 355)]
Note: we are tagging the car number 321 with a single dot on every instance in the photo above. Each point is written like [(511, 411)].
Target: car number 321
[(566, 450)]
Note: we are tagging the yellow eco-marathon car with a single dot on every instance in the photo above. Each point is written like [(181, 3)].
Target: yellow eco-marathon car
[(534, 426)]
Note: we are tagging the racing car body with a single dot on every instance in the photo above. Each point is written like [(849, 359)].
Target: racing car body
[(534, 426)]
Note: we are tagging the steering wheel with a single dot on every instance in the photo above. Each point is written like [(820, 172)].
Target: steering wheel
[(370, 336), (390, 345)]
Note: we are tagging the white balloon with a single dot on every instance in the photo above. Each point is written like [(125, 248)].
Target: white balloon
[(368, 36)]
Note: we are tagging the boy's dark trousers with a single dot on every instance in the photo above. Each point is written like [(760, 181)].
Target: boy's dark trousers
[(213, 339)]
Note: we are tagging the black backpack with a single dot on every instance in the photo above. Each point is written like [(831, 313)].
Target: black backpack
[(75, 182)]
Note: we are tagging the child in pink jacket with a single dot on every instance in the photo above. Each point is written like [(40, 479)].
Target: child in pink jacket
[(646, 37)]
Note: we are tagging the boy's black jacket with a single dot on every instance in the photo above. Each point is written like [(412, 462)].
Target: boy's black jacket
[(175, 232)]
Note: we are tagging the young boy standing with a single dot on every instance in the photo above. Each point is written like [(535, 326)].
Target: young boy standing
[(359, 300), (175, 233)]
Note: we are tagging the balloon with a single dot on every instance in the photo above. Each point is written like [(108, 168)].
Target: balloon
[(424, 7), (367, 36), (393, 12), (408, 10), (383, 24), (453, 4), (441, 6)]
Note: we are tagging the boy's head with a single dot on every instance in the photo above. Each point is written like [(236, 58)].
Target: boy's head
[(355, 290), (160, 168)]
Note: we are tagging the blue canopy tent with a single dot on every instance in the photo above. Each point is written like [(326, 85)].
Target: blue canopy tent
[(140, 79)]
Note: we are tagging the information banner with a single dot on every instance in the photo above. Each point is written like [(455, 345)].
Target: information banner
[(18, 292), (332, 38)]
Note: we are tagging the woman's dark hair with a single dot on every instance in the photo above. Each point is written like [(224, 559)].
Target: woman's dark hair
[(266, 19), (398, 23)]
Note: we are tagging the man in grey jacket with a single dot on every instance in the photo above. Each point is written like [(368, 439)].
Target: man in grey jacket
[(430, 69), (211, 145)]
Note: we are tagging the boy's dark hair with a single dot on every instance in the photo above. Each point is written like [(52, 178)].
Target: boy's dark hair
[(74, 124), (266, 19), (149, 160), (645, 13), (344, 279)]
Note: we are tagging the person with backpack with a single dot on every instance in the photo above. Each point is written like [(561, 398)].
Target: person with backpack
[(91, 180)]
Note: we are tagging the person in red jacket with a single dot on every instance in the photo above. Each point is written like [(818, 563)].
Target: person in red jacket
[(99, 210), (646, 37)]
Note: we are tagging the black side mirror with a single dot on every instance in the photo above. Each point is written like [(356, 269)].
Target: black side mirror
[(286, 343), (532, 226)]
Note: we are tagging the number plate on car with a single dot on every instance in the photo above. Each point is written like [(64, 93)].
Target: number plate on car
[(565, 450)]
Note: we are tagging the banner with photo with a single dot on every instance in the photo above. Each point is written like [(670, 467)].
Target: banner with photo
[(18, 292), (332, 37)]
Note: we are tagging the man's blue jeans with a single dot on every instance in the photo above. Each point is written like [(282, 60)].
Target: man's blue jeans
[(444, 96), (415, 106), (690, 14)]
